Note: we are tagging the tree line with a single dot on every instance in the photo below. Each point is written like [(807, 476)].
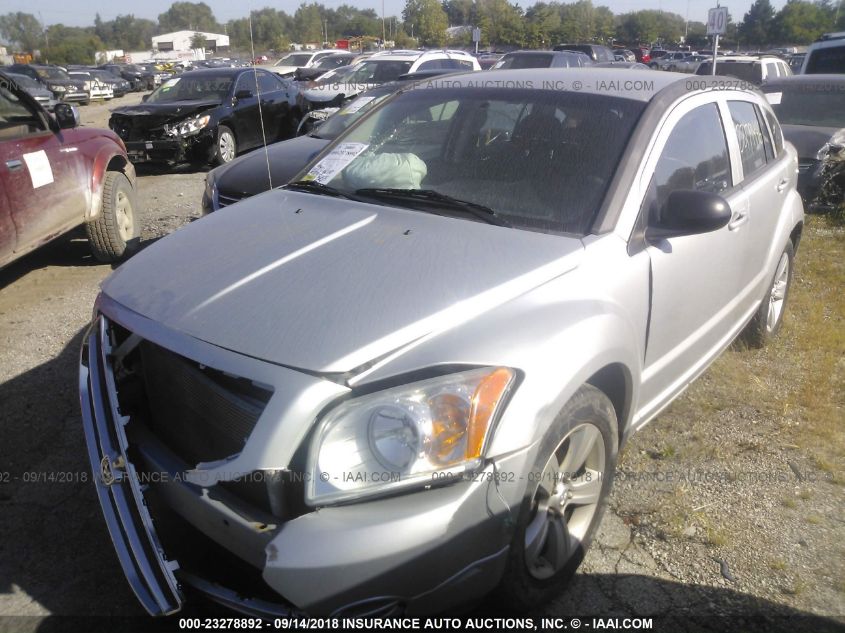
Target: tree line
[(424, 23)]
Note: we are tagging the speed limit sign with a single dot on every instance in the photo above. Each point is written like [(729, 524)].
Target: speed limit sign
[(717, 21)]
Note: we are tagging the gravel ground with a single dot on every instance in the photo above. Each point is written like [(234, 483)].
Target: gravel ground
[(717, 520)]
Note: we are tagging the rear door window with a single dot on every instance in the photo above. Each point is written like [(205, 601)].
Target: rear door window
[(749, 133)]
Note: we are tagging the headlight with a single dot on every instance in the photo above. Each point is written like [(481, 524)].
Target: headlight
[(405, 436), (187, 127), (57, 88)]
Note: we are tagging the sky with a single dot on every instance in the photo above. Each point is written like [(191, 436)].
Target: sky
[(82, 12)]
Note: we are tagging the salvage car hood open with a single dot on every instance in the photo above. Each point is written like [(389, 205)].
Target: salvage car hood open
[(326, 284)]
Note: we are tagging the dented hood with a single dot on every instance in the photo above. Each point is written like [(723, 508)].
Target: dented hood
[(326, 284)]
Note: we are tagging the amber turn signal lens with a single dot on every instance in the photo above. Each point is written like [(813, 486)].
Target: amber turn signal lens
[(485, 400)]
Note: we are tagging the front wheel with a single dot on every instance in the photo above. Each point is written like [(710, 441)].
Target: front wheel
[(767, 321), (564, 502), (116, 232), (226, 148)]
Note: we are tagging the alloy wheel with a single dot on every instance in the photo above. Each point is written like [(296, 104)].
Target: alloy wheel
[(778, 294), (565, 501)]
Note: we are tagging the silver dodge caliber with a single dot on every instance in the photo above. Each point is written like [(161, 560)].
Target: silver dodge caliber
[(402, 381)]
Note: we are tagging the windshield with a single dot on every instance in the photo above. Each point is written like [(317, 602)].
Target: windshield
[(51, 73), (204, 87), (746, 71), (25, 82), (294, 59), (347, 115), (377, 71), (336, 76), (543, 60), (537, 159), (821, 105)]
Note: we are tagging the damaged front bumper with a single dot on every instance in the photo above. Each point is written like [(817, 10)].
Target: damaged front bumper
[(149, 572), (196, 147), (421, 552)]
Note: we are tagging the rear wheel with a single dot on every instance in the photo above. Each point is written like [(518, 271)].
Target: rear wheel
[(767, 321), (565, 500), (226, 148), (116, 232)]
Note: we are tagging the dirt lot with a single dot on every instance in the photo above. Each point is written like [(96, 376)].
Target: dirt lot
[(728, 512)]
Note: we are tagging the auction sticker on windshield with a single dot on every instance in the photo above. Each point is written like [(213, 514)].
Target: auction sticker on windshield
[(335, 161)]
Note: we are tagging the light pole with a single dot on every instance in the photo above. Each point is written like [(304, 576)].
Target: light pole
[(383, 33)]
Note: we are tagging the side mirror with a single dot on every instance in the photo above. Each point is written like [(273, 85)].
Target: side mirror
[(243, 94), (67, 116), (145, 97), (689, 212)]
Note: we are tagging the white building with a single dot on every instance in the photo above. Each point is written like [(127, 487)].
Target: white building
[(180, 41)]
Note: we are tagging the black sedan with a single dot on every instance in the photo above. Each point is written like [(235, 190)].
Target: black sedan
[(247, 176), (811, 110), (207, 116)]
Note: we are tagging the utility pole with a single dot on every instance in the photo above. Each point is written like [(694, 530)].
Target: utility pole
[(383, 33)]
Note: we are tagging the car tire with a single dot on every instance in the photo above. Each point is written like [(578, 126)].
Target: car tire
[(530, 577), (226, 147), (115, 234), (767, 321)]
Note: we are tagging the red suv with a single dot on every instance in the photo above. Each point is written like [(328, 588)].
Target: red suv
[(54, 177)]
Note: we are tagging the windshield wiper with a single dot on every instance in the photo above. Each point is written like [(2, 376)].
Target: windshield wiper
[(312, 186), (431, 196)]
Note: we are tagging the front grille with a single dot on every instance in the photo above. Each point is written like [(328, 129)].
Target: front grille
[(200, 414), (225, 199)]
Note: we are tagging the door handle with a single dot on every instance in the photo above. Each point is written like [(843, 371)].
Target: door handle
[(738, 220), (782, 185), (14, 165)]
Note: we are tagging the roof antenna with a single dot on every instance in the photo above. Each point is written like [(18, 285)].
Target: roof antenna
[(258, 96)]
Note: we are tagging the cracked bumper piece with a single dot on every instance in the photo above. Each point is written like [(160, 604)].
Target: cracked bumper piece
[(421, 552), (130, 526), (175, 150)]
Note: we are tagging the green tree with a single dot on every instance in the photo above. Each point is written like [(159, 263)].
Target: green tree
[(71, 45), (649, 26), (542, 24), (22, 29), (198, 41), (308, 23), (756, 25), (501, 22), (429, 21), (800, 22), (460, 12), (188, 16), (125, 32)]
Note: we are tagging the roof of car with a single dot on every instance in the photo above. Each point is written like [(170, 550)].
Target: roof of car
[(733, 59), (806, 80), (411, 55), (544, 52), (640, 85), (222, 70)]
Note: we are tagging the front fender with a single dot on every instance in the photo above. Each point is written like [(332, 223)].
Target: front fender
[(556, 343)]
